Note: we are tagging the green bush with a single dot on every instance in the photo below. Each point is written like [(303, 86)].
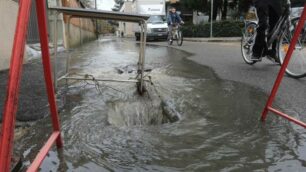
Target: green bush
[(220, 29)]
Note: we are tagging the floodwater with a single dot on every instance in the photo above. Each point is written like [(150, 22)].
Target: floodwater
[(108, 127)]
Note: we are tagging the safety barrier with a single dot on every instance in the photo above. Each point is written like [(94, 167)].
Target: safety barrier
[(9, 115), (281, 74), (104, 15)]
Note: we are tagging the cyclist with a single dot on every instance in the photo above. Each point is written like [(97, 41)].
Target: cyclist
[(173, 20), (269, 12)]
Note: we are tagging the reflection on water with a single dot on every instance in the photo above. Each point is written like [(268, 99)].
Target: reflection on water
[(116, 130)]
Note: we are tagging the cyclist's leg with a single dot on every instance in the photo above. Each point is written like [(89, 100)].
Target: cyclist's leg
[(260, 42), (170, 32), (274, 16)]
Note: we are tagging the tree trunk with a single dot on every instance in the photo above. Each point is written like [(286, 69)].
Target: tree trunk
[(224, 11), (215, 12)]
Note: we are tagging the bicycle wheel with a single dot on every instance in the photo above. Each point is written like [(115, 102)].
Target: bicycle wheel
[(247, 43), (297, 64), (180, 38), (170, 41)]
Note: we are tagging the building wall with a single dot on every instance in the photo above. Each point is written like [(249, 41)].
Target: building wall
[(8, 13), (126, 28), (52, 18), (81, 30)]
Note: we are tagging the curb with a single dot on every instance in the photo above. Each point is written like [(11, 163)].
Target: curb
[(235, 39)]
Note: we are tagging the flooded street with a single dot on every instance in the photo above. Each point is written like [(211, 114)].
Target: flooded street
[(189, 119)]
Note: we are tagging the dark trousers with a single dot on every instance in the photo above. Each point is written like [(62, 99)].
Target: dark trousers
[(269, 12)]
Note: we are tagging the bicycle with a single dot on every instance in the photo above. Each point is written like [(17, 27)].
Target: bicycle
[(283, 32), (177, 35)]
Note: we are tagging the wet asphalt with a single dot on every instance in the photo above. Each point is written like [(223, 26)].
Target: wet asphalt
[(110, 129), (32, 100), (226, 60)]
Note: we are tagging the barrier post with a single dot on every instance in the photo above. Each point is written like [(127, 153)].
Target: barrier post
[(43, 32), (11, 103), (10, 107), (56, 135), (281, 74)]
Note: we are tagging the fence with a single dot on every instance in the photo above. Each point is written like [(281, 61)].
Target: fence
[(33, 36)]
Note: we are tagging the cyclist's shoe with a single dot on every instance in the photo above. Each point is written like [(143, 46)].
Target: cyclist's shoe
[(256, 58), (273, 59), (271, 55)]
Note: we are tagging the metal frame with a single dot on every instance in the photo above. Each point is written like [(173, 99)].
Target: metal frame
[(11, 103), (281, 74), (10, 108), (99, 14)]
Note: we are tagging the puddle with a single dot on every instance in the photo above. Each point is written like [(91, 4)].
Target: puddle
[(115, 130)]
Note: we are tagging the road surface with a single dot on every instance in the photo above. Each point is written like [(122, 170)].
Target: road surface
[(226, 60)]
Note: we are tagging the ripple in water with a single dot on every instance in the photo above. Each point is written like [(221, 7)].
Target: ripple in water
[(218, 128)]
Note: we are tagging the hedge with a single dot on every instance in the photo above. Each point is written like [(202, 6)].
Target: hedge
[(220, 29)]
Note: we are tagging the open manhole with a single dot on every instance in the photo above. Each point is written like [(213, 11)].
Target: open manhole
[(147, 109)]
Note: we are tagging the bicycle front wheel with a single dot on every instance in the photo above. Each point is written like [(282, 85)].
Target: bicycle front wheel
[(180, 38), (297, 64), (247, 43), (169, 40)]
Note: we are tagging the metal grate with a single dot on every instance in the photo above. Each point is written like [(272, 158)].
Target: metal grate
[(160, 30), (33, 35)]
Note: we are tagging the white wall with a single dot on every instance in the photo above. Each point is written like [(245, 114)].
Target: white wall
[(78, 36), (8, 13), (60, 23), (126, 27)]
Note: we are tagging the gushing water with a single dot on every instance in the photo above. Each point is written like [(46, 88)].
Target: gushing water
[(189, 119)]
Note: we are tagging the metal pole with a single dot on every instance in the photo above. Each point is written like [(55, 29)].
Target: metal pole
[(55, 42), (211, 17), (143, 55), (81, 30), (43, 32), (96, 7), (68, 46), (140, 48), (10, 108), (140, 57), (69, 52), (98, 79), (285, 64)]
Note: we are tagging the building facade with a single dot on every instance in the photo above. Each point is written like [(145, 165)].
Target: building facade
[(126, 29), (8, 13), (81, 30)]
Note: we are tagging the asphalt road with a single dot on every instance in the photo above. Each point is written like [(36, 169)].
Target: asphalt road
[(226, 60)]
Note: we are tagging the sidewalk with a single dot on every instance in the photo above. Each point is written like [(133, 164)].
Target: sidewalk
[(219, 39), (33, 102)]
